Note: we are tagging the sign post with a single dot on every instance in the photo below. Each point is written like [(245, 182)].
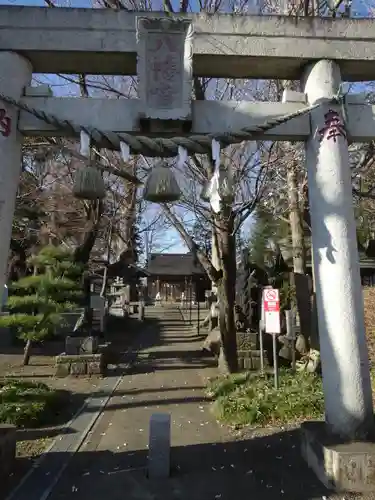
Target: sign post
[(271, 306)]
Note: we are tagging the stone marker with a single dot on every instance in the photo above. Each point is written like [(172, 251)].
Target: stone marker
[(159, 446), (81, 345)]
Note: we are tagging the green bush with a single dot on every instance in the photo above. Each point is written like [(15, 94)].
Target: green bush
[(28, 404), (37, 302), (251, 399), (33, 283), (31, 327)]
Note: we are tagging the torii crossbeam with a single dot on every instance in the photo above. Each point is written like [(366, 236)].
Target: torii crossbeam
[(103, 41)]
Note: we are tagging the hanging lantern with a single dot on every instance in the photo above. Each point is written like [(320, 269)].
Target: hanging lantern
[(88, 181), (161, 185), (88, 184)]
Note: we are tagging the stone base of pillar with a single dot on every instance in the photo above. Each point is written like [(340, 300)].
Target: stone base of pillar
[(341, 466)]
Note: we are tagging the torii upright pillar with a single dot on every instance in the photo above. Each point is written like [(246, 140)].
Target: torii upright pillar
[(15, 75), (344, 356)]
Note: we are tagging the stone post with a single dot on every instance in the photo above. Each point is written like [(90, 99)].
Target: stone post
[(15, 74), (344, 357)]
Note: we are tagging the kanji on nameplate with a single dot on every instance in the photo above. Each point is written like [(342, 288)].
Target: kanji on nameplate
[(165, 68)]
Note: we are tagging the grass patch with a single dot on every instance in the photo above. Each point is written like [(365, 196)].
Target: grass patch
[(28, 404), (251, 399)]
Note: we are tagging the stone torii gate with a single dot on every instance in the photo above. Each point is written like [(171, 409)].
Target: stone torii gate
[(170, 51)]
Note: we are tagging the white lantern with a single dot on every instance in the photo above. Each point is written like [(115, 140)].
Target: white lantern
[(88, 180), (161, 185), (88, 184)]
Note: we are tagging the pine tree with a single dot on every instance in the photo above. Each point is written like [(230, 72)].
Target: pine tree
[(36, 302)]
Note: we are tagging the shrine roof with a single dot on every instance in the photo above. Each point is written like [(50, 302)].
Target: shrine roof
[(173, 264), (123, 270)]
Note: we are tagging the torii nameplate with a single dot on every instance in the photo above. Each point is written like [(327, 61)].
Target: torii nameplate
[(165, 67)]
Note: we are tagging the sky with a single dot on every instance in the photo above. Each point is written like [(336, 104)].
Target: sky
[(74, 3), (360, 8)]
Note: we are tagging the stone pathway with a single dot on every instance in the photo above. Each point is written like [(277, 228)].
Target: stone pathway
[(169, 376)]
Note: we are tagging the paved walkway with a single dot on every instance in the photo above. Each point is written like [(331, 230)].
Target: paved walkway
[(169, 376)]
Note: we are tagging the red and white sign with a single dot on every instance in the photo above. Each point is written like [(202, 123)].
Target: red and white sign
[(271, 308)]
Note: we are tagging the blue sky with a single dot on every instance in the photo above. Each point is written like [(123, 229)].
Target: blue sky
[(75, 3), (361, 8)]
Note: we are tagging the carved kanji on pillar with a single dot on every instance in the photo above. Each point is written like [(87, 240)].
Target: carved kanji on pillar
[(5, 130), (5, 123), (333, 128), (165, 68)]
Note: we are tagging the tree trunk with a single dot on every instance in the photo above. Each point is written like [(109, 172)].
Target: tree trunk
[(125, 245), (296, 223), (27, 353), (228, 361), (299, 261), (83, 252)]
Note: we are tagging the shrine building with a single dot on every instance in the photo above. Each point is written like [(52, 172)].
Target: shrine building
[(172, 274)]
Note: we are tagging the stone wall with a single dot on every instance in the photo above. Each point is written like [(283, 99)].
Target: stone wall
[(80, 365), (7, 450), (249, 355), (247, 349)]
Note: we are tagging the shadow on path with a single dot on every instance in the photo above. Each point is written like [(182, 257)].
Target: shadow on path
[(206, 462), (262, 468)]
